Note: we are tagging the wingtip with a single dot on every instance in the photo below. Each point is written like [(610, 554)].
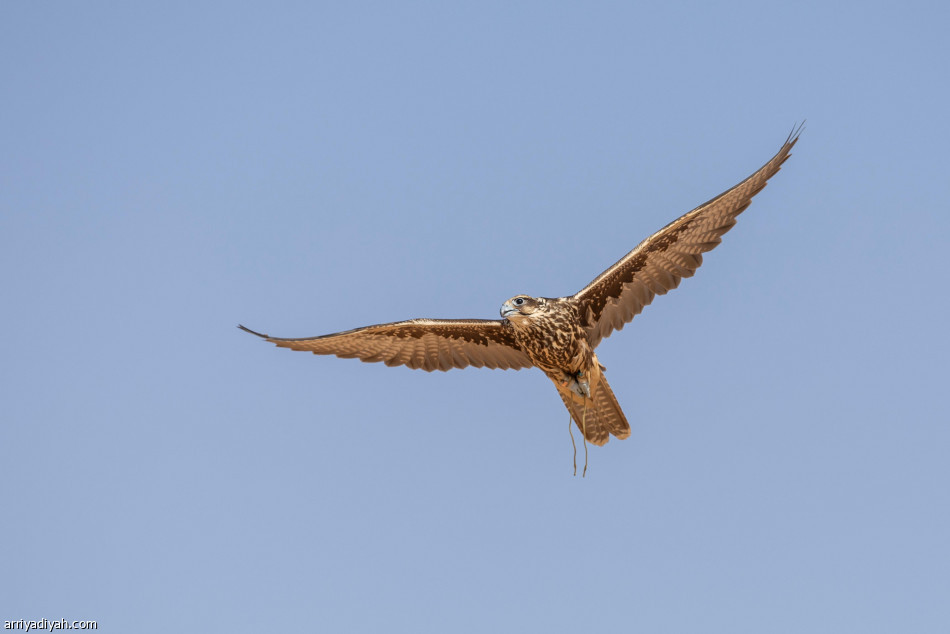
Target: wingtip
[(253, 332), (795, 133)]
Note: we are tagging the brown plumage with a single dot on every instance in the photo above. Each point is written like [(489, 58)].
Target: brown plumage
[(559, 335)]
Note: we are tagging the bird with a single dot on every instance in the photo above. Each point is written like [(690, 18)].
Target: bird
[(559, 335)]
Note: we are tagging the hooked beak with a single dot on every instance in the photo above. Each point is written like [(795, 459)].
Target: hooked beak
[(507, 309)]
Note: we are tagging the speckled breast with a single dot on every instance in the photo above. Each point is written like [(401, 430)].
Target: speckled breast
[(555, 341)]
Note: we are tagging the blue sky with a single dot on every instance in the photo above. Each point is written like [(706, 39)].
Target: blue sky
[(170, 170)]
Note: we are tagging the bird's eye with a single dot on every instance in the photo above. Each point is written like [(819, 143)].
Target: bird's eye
[(519, 301)]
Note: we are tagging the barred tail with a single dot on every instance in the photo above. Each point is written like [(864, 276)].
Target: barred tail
[(603, 415)]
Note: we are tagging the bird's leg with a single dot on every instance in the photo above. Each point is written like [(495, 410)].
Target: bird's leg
[(570, 424), (582, 385), (577, 384), (567, 381), (584, 431)]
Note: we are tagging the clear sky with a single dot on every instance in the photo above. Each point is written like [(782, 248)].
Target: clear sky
[(169, 170)]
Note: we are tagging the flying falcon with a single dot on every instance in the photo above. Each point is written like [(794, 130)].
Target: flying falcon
[(559, 335)]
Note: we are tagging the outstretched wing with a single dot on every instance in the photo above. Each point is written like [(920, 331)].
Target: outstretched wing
[(658, 263), (429, 344)]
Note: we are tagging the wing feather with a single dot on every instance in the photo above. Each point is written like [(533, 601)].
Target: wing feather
[(657, 264), (427, 344)]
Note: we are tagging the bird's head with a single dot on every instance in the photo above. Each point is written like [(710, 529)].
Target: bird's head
[(521, 306)]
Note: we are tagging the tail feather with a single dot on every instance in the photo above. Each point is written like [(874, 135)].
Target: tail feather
[(603, 415)]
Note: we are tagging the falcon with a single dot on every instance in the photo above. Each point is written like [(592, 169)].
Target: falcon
[(559, 334)]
